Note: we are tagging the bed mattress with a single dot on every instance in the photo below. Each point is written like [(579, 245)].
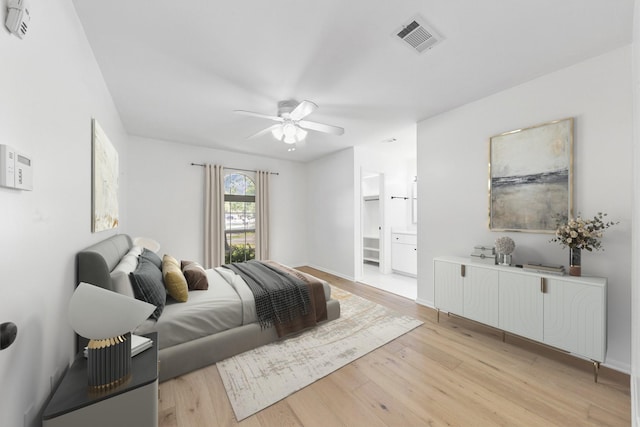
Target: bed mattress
[(228, 303)]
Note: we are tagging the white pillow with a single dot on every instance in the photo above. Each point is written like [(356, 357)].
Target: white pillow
[(120, 274)]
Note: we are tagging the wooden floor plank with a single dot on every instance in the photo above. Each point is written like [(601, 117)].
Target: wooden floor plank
[(452, 372), (219, 401), (347, 407), (349, 377), (391, 410), (279, 414), (420, 397), (311, 410), (470, 386), (193, 401)]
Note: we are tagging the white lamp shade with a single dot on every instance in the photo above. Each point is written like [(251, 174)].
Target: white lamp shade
[(300, 134), (277, 133), (98, 313), (289, 130)]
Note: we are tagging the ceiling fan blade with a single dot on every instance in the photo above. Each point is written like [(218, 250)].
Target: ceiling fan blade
[(303, 110), (263, 116), (320, 127), (264, 131)]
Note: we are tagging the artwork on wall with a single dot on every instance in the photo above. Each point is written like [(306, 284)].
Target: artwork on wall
[(104, 192), (530, 177)]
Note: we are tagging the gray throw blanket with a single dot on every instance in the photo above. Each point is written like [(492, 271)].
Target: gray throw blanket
[(279, 297)]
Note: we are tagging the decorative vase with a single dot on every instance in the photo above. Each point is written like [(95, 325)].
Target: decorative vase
[(575, 261), (504, 259)]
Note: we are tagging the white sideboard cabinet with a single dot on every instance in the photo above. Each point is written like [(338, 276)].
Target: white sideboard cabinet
[(565, 312)]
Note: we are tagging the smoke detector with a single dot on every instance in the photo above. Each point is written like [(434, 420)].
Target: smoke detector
[(418, 35)]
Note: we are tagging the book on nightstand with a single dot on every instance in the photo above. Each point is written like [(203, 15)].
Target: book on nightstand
[(138, 345)]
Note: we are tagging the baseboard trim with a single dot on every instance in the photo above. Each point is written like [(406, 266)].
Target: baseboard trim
[(425, 303), (635, 415), (335, 273)]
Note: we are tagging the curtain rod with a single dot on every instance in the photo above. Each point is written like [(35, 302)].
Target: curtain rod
[(236, 169)]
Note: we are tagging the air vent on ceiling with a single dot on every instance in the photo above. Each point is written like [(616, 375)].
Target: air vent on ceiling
[(417, 34)]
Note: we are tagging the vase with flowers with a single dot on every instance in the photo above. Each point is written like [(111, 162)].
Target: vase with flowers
[(578, 234)]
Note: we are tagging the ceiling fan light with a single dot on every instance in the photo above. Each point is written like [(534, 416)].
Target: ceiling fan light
[(301, 134), (289, 130), (277, 133), (289, 139)]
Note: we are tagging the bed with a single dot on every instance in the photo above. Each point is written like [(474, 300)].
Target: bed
[(210, 326)]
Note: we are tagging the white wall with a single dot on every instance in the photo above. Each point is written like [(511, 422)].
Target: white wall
[(452, 170), (165, 198), (331, 207), (51, 88)]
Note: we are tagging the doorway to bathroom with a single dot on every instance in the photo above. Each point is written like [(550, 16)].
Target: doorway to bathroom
[(382, 214)]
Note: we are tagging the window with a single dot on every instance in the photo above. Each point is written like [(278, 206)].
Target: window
[(239, 217)]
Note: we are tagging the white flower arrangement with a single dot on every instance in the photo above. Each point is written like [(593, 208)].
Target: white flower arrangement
[(583, 233), (505, 245)]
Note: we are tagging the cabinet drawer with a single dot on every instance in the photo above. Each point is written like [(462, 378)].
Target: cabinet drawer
[(409, 239)]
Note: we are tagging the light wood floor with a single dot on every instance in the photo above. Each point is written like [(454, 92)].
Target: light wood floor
[(454, 372)]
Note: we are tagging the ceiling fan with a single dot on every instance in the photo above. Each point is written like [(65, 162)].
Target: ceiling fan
[(291, 128)]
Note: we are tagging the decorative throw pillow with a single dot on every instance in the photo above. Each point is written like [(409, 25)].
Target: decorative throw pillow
[(153, 257), (174, 280), (147, 284), (120, 274), (195, 275)]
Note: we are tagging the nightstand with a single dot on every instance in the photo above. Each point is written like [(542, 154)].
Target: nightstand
[(134, 403)]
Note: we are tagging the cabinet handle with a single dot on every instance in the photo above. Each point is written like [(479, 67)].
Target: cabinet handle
[(462, 270), (543, 285)]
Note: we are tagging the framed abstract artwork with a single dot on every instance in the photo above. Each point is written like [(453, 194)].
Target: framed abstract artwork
[(104, 181), (531, 177)]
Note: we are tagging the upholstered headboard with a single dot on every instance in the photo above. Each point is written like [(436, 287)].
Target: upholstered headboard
[(94, 265), (96, 262)]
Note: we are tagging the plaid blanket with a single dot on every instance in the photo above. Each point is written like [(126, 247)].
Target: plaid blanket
[(280, 297)]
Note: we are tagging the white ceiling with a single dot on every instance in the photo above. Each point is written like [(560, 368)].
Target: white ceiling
[(177, 70)]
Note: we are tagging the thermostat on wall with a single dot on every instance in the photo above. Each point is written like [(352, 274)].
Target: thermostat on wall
[(16, 169), (18, 17)]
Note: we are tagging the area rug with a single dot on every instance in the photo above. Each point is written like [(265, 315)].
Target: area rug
[(261, 377)]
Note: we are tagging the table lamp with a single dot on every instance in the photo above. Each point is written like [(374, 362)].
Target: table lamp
[(106, 318)]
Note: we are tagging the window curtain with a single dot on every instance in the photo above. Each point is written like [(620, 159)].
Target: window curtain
[(262, 215), (214, 237)]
